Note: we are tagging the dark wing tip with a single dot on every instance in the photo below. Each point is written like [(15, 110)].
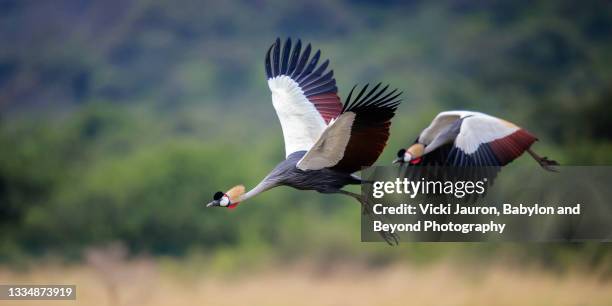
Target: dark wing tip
[(268, 63), (285, 58), (276, 57), (310, 72), (348, 99), (375, 99)]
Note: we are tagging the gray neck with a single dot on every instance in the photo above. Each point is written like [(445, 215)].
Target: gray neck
[(277, 176), (261, 187)]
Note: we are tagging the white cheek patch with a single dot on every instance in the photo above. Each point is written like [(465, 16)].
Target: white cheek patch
[(224, 201), (407, 157)]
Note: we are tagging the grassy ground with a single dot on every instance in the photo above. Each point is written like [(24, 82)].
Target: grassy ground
[(147, 282)]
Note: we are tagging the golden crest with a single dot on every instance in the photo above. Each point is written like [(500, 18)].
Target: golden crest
[(416, 150), (235, 192)]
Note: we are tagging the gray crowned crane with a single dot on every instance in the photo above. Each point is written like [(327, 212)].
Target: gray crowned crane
[(471, 139), (326, 142)]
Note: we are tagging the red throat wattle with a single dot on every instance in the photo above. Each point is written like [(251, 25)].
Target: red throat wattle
[(415, 161), (233, 205)]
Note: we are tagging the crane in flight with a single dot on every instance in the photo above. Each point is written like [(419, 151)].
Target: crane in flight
[(326, 141), (466, 139)]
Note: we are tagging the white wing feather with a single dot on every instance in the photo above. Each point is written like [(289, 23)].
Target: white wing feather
[(482, 128), (329, 148), (301, 122)]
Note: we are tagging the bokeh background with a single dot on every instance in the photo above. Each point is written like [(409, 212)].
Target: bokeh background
[(120, 118)]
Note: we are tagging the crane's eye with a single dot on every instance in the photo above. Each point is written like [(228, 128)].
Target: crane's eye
[(401, 153), (218, 195), (224, 201)]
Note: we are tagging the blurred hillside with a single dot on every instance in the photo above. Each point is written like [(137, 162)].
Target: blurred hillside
[(119, 119)]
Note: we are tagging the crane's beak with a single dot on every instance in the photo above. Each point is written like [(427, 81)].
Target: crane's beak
[(213, 203), (398, 161)]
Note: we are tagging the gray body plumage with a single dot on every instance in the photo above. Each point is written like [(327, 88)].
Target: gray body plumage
[(325, 180)]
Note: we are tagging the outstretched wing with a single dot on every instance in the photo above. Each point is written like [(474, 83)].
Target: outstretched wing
[(484, 144), (357, 137), (488, 141), (304, 95)]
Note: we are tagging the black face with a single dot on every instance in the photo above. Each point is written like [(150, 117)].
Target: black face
[(218, 195), (216, 202), (400, 153)]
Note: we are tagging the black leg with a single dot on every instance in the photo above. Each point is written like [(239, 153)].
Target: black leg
[(390, 238), (544, 162)]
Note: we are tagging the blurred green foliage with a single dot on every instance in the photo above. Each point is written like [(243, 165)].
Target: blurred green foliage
[(120, 119)]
